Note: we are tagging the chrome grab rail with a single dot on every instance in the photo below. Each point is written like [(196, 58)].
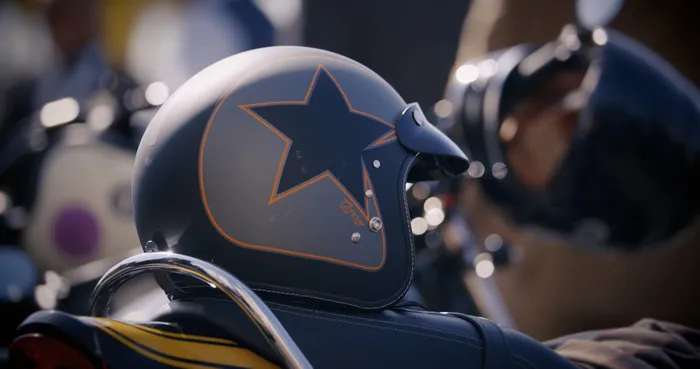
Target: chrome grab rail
[(246, 299)]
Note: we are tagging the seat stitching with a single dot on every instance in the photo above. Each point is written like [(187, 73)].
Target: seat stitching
[(378, 327), (379, 321), (523, 360)]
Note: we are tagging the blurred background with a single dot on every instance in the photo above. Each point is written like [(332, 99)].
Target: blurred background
[(80, 80)]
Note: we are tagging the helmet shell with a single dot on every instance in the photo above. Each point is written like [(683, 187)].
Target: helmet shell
[(282, 165)]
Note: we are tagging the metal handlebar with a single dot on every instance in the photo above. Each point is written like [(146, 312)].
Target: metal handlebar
[(246, 299)]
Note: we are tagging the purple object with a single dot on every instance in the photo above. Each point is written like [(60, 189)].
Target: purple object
[(76, 231)]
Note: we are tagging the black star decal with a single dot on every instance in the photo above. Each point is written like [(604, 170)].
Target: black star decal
[(324, 137)]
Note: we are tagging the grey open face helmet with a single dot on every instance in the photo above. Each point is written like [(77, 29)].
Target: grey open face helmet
[(287, 167)]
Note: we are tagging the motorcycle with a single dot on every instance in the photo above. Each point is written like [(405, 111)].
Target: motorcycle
[(485, 92), (234, 327), (65, 197), (134, 320)]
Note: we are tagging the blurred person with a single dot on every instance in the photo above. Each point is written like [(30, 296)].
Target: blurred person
[(77, 69), (65, 182), (553, 287), (74, 68)]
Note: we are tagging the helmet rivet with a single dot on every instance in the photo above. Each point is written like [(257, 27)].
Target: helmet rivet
[(150, 246), (377, 164), (375, 224), (368, 193), (499, 170), (356, 237)]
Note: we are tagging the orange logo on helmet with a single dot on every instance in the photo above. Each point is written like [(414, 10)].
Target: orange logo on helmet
[(347, 207)]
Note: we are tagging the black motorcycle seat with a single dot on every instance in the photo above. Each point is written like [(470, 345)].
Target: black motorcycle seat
[(399, 337)]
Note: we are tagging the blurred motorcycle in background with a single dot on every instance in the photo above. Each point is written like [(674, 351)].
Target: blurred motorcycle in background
[(66, 198), (584, 155)]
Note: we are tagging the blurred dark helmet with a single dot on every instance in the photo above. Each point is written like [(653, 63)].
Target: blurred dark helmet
[(286, 166), (624, 160)]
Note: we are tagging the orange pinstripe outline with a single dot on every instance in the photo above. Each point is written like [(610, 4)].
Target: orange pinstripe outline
[(389, 137), (274, 197)]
